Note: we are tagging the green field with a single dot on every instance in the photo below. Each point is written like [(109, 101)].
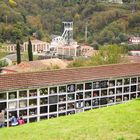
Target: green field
[(119, 122)]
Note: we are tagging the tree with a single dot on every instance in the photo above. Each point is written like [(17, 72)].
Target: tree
[(30, 53), (18, 53)]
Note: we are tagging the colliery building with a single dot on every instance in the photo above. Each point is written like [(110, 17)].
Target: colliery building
[(49, 94)]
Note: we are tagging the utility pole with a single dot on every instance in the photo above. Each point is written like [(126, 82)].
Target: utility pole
[(6, 20), (133, 6), (86, 33)]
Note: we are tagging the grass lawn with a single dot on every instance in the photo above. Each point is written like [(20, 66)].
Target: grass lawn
[(119, 122)]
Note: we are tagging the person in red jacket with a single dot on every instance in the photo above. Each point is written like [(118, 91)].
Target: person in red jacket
[(21, 121)]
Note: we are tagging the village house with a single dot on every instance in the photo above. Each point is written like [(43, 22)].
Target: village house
[(38, 46)]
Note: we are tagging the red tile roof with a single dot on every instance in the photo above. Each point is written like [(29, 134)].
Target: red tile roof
[(37, 79)]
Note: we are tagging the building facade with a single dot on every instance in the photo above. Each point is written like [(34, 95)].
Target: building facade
[(38, 46), (11, 48), (50, 94)]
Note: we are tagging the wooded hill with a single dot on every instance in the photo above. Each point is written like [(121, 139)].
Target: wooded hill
[(106, 22)]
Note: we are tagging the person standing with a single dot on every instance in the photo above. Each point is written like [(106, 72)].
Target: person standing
[(2, 119)]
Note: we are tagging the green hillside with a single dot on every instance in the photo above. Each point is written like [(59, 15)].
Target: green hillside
[(119, 122), (106, 22)]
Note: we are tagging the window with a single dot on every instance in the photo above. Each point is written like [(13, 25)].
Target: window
[(88, 86), (71, 88), (103, 101), (111, 91), (71, 97), (133, 80), (87, 103), (111, 83), (79, 104), (96, 85), (33, 111), (125, 97), (62, 107), (53, 99), (2, 96), (133, 96), (138, 87), (13, 105), (43, 91), (118, 90), (71, 105), (22, 94), (32, 102), (43, 109), (126, 81), (88, 94), (53, 108), (95, 102), (79, 87), (12, 95), (79, 95), (119, 82), (95, 93), (53, 90), (32, 93), (126, 89), (62, 89), (119, 99), (133, 88), (23, 113), (43, 101), (103, 92), (62, 98), (23, 104), (111, 100), (104, 84), (139, 79)]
